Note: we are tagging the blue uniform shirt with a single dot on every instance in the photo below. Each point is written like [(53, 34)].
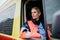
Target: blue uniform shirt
[(41, 30)]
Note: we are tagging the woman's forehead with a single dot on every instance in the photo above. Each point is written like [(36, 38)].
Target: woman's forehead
[(33, 9)]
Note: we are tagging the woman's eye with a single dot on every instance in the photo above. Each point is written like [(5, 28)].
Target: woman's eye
[(34, 12)]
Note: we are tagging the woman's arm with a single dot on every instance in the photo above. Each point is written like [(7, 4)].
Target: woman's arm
[(26, 33)]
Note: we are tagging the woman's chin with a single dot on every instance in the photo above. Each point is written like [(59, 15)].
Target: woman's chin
[(34, 18)]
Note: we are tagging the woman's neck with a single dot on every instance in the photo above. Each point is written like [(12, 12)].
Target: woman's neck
[(37, 19)]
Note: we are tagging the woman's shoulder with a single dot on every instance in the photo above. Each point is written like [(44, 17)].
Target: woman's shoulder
[(25, 24)]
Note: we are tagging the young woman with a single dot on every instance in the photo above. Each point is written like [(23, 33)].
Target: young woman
[(34, 28)]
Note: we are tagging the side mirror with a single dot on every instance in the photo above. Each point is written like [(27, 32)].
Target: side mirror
[(56, 25)]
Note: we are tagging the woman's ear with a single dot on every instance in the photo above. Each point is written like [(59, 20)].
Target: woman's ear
[(39, 13)]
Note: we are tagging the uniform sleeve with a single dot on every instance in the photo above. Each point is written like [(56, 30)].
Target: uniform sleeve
[(25, 33), (25, 27)]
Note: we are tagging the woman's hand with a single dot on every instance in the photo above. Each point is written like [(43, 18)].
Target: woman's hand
[(35, 35)]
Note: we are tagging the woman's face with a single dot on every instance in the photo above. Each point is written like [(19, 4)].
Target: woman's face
[(35, 14)]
